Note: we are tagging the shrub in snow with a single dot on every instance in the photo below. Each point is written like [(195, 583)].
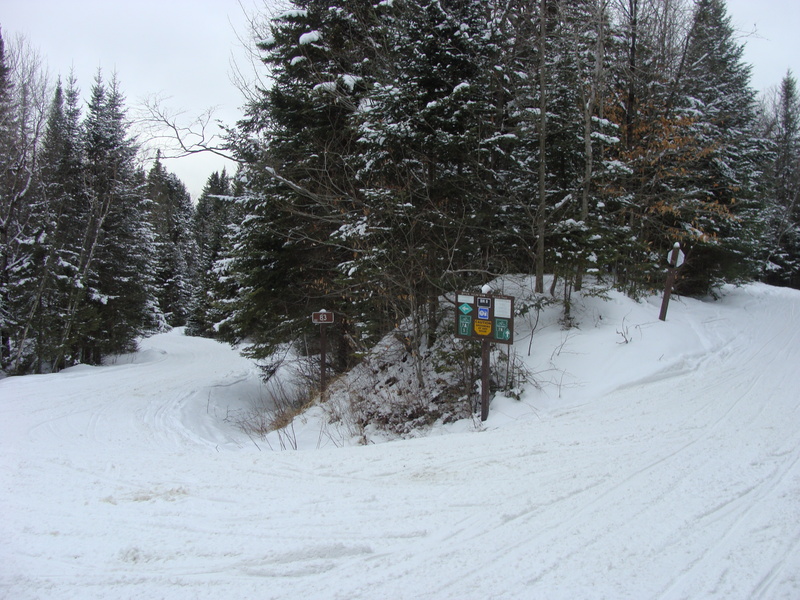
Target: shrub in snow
[(396, 390)]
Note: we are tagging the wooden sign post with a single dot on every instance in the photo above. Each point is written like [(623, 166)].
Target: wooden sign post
[(675, 259), (322, 318)]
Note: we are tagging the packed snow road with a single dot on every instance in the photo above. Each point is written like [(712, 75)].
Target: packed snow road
[(672, 471)]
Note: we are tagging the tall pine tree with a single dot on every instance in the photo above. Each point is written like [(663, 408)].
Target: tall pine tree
[(782, 188), (717, 210), (59, 209), (112, 298), (213, 221), (172, 218), (294, 144)]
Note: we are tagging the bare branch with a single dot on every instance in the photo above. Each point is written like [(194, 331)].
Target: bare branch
[(177, 134)]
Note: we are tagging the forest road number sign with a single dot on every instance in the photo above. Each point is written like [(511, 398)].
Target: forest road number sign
[(322, 317)]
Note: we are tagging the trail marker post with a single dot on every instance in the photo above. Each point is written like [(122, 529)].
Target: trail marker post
[(322, 318), (488, 318), (675, 258)]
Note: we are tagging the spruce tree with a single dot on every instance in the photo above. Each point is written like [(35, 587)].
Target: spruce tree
[(575, 63), (59, 209), (125, 295), (433, 139), (172, 215), (717, 210), (213, 220), (782, 188), (641, 175), (293, 144), (112, 298)]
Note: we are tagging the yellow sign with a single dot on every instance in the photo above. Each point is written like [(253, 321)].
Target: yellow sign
[(483, 327)]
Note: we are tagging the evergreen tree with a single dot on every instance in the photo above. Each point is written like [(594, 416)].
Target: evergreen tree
[(58, 211), (172, 216), (112, 298), (213, 220), (293, 144), (645, 171), (575, 62), (433, 147), (717, 210), (782, 188), (125, 298)]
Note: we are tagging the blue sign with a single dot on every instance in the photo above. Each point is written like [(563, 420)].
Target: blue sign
[(483, 313)]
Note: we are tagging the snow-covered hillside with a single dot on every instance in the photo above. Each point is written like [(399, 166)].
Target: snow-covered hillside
[(653, 460)]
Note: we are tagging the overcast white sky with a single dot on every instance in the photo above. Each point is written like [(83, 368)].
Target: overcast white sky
[(183, 49), (774, 48), (179, 49)]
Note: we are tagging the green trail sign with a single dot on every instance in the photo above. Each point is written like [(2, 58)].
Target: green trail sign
[(485, 317), (464, 325)]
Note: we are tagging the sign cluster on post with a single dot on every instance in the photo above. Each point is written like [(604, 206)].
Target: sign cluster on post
[(485, 317), (488, 318)]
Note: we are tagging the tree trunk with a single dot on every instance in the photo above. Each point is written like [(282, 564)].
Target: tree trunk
[(91, 239), (541, 221), (590, 102)]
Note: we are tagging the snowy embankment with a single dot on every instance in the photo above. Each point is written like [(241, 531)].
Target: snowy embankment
[(655, 460)]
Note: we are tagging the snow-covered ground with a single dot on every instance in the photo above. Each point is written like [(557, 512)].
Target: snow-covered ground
[(654, 460)]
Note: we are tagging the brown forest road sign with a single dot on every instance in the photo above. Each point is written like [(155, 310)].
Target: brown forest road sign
[(322, 317)]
